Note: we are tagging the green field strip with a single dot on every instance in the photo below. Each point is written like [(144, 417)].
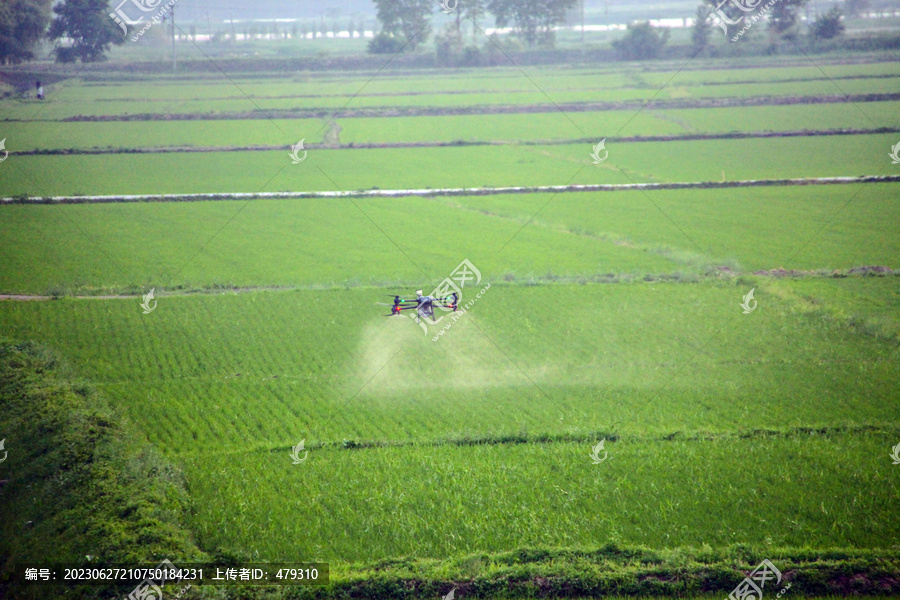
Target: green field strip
[(617, 359), (166, 93), (458, 456), (313, 147), (449, 167), (815, 491), (329, 243), (535, 103), (533, 128), (320, 243), (821, 228)]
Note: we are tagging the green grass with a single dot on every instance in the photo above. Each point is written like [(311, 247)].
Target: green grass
[(127, 247), (313, 243), (60, 107), (493, 166), (48, 135), (462, 462), (442, 501), (599, 368), (77, 481), (552, 125), (808, 228), (224, 385), (557, 126), (158, 95)]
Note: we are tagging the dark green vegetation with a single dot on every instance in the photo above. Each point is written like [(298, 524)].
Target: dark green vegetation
[(22, 26), (614, 571), (78, 483)]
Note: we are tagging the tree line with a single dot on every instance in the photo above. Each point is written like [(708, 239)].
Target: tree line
[(406, 25), (25, 23)]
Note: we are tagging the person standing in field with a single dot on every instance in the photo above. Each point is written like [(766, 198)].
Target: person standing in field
[(40, 90)]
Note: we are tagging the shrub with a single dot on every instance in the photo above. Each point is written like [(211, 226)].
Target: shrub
[(642, 41), (384, 43), (829, 25)]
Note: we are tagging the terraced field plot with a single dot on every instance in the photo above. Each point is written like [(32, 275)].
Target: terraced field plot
[(610, 316)]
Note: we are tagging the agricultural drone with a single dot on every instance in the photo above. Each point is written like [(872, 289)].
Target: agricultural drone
[(424, 305)]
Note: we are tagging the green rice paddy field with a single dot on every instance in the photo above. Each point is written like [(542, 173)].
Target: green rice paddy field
[(614, 316)]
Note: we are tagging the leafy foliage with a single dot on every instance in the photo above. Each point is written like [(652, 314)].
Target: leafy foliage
[(533, 19), (616, 571), (784, 17), (385, 43), (642, 41), (87, 23), (449, 46), (22, 25), (828, 26), (409, 20), (701, 30), (78, 483), (474, 11)]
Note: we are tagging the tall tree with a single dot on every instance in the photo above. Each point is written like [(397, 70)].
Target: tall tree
[(88, 24), (700, 32), (785, 16), (22, 25), (473, 10), (409, 20), (448, 46), (829, 25), (533, 19), (642, 41)]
